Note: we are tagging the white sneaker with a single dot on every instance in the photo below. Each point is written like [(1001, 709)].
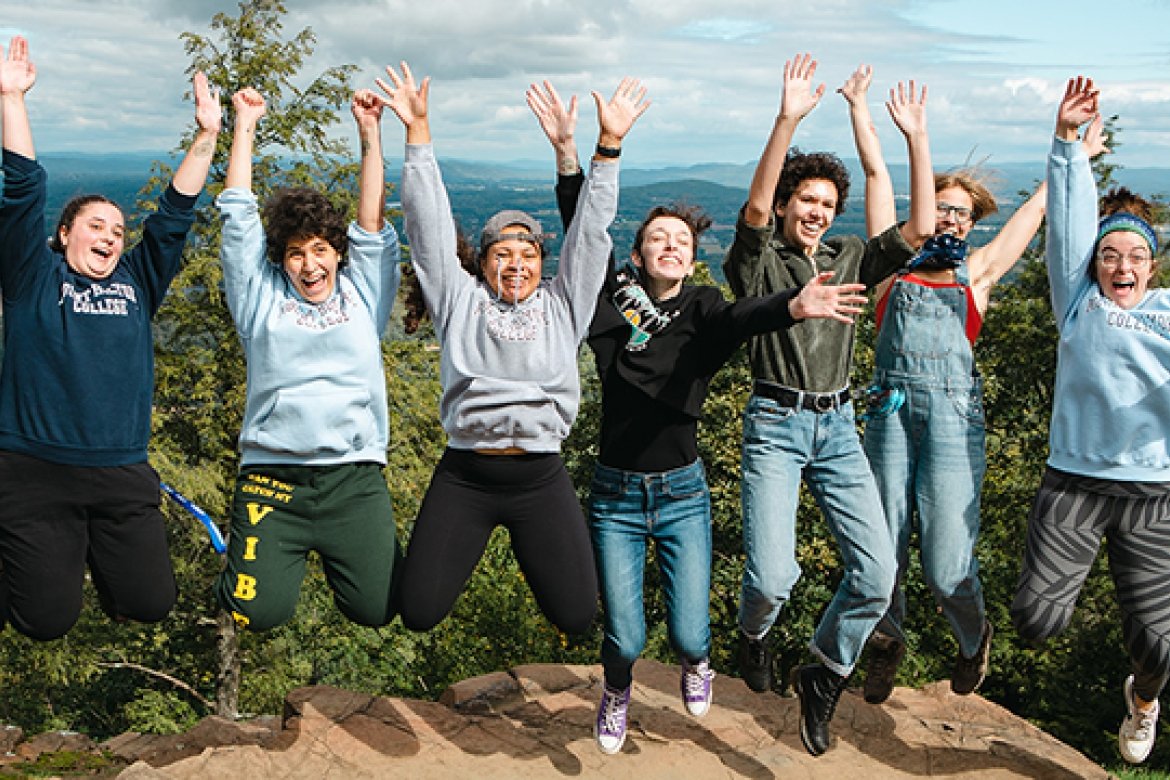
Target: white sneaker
[(610, 727), (1135, 738), (696, 686)]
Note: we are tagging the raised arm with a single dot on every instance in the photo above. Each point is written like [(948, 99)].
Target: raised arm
[(1072, 198), (192, 173), (408, 101), (249, 107), (908, 111), (616, 116), (990, 262), (559, 123), (796, 101), (17, 76), (367, 112), (880, 209)]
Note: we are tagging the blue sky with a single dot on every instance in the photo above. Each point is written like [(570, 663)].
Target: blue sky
[(111, 74)]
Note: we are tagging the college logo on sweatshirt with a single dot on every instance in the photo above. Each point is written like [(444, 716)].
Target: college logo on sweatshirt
[(320, 316), (506, 322), (101, 298)]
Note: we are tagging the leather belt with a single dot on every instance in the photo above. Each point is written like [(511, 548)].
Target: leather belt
[(800, 399)]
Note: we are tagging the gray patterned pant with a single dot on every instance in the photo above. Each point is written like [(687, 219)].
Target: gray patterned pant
[(1068, 519)]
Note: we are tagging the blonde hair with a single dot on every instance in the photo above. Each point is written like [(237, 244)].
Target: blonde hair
[(972, 181)]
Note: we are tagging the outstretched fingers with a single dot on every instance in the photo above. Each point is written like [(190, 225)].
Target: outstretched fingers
[(405, 98), (817, 299)]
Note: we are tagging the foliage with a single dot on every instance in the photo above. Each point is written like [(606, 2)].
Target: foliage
[(82, 681)]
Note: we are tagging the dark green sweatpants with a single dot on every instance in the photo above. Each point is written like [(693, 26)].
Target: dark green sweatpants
[(281, 513)]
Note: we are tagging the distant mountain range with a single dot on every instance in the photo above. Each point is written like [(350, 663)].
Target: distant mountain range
[(478, 189)]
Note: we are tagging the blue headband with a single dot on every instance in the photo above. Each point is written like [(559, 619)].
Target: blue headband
[(1123, 220)]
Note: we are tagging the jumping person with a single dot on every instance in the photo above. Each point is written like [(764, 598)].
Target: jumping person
[(799, 422), (658, 343), (924, 434), (78, 379), (1108, 472), (310, 300), (508, 343)]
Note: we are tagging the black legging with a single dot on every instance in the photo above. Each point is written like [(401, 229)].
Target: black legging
[(54, 519), (532, 496)]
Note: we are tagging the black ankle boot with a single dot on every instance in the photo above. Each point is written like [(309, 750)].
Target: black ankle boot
[(819, 688), (755, 662)]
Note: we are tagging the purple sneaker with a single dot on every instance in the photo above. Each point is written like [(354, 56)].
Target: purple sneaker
[(610, 728), (695, 684)]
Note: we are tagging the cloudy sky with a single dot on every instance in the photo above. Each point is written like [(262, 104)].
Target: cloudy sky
[(111, 73)]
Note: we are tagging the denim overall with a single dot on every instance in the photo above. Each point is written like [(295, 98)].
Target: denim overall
[(927, 452)]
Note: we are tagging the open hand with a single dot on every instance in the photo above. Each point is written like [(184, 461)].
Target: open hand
[(405, 98), (208, 110), (828, 301), (17, 73), (908, 110), (617, 116), (799, 97), (557, 121)]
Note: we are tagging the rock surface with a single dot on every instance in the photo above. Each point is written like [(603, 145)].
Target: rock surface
[(537, 721)]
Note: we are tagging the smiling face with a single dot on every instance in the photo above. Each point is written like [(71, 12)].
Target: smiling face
[(93, 242), (1123, 267), (809, 213), (666, 255), (311, 265), (511, 266), (955, 212)]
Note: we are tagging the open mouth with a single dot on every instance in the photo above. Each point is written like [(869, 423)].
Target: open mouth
[(314, 282)]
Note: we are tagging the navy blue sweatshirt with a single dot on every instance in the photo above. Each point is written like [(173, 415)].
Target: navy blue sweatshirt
[(78, 372)]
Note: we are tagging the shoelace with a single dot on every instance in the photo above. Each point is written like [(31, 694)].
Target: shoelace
[(613, 711), (1146, 721), (695, 681)]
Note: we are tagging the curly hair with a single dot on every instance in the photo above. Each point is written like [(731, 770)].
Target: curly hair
[(1121, 199), (800, 167), (69, 215), (300, 212), (974, 182), (412, 296)]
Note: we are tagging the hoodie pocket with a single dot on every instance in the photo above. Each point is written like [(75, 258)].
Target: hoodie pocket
[(308, 423)]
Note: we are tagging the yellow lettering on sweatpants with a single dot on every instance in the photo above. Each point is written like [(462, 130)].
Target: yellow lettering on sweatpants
[(250, 543), (241, 620), (245, 587), (257, 512)]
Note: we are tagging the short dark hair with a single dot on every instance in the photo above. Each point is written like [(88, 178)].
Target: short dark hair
[(69, 216), (301, 212), (693, 216), (800, 167)]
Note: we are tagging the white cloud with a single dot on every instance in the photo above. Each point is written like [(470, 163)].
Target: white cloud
[(112, 74)]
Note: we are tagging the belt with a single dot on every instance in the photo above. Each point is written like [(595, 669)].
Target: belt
[(799, 399)]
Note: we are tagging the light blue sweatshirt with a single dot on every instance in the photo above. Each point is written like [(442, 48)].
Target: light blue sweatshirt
[(316, 386), (1111, 413), (508, 372)]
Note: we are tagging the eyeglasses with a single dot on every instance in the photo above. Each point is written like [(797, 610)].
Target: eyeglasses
[(1111, 258), (961, 214)]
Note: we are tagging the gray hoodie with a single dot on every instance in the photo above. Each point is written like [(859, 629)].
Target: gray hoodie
[(508, 371)]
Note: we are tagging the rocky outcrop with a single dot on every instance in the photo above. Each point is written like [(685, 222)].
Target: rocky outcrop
[(536, 721)]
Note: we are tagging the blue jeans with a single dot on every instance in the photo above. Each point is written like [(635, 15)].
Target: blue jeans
[(673, 508), (782, 445), (929, 455)]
